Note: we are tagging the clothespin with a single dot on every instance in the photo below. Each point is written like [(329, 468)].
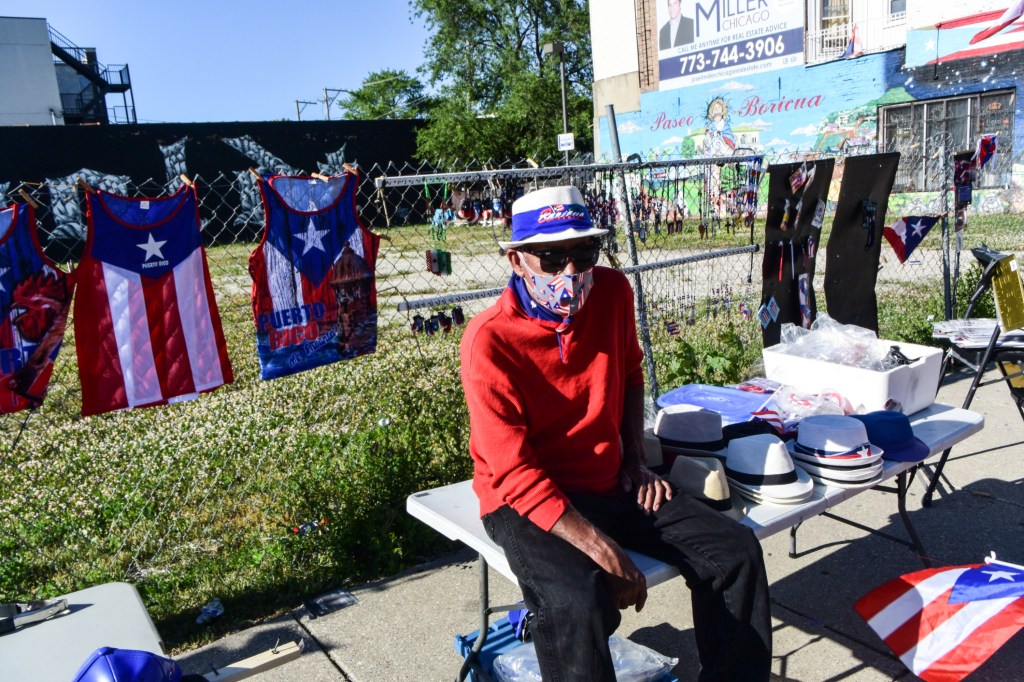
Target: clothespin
[(533, 164), (320, 176), (85, 185), (28, 198), (385, 237), (255, 174), (185, 179), (349, 168)]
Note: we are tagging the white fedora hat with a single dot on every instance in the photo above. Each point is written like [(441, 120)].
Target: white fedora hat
[(705, 479), (761, 464), (550, 214), (689, 430), (833, 440)]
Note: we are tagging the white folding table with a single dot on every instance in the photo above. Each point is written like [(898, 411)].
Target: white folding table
[(454, 511), (53, 650)]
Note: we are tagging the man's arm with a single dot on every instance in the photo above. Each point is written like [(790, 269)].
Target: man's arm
[(650, 489), (628, 584)]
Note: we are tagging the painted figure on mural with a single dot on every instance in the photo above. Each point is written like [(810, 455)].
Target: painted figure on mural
[(677, 31), (718, 137)]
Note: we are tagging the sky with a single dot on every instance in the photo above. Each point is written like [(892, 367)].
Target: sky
[(228, 60)]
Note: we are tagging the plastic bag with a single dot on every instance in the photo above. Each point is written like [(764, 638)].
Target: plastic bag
[(633, 663), (792, 406), (842, 344)]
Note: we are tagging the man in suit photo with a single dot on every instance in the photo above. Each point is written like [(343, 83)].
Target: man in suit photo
[(677, 31)]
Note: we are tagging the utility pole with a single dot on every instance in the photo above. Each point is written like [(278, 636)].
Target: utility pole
[(300, 109), (559, 49), (330, 97)]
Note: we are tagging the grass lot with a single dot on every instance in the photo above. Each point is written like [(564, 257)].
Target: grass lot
[(201, 499)]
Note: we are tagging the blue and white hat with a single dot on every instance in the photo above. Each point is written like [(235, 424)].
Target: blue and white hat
[(551, 214)]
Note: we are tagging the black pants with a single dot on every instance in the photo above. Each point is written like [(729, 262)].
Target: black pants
[(720, 559)]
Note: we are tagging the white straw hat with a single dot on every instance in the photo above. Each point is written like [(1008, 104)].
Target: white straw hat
[(833, 442), (760, 464), (689, 430)]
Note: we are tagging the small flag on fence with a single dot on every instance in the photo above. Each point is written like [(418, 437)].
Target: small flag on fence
[(853, 47), (985, 151), (945, 622), (1011, 15), (906, 233)]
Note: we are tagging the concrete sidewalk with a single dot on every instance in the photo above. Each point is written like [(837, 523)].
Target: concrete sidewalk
[(402, 628)]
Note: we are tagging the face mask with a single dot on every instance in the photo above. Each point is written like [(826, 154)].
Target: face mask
[(563, 294)]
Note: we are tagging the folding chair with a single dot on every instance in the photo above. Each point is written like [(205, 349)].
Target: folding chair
[(1000, 274)]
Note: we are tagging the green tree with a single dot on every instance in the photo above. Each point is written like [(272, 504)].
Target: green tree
[(500, 95), (389, 93)]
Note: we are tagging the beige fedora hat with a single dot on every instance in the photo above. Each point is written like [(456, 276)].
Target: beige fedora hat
[(704, 478)]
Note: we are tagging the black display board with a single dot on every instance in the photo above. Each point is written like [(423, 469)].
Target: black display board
[(797, 195), (855, 241)]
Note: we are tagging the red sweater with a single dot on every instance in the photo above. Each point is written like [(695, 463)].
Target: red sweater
[(541, 426)]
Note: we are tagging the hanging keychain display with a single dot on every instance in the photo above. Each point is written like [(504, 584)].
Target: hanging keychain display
[(868, 214)]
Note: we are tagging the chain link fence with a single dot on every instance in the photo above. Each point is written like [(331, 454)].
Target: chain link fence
[(226, 495)]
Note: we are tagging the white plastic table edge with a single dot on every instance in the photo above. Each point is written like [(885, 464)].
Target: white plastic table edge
[(453, 510)]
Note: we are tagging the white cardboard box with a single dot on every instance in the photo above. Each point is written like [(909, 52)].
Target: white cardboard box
[(913, 386)]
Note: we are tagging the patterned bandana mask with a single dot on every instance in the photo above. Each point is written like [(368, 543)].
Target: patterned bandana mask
[(562, 294)]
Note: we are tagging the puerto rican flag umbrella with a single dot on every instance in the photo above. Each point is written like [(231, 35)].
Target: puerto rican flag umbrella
[(945, 622), (906, 233)]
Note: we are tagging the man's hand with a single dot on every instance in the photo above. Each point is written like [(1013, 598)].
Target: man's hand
[(650, 489), (627, 583)]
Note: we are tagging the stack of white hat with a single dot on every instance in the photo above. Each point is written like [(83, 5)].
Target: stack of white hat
[(759, 468), (835, 451)]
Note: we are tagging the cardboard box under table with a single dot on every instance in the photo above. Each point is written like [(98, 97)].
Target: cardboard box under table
[(912, 386), (454, 511)]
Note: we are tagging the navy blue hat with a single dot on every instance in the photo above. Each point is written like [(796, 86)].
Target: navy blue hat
[(892, 432), (108, 664)]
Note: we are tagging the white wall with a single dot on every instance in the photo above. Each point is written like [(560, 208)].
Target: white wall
[(28, 81), (613, 38)]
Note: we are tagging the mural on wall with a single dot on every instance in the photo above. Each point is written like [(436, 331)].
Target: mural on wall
[(701, 41), (831, 108), (788, 111)]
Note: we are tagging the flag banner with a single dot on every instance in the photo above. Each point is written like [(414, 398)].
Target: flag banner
[(945, 622), (906, 233), (985, 151), (1011, 15), (853, 47)]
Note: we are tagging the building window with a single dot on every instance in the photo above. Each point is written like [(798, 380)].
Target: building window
[(928, 133), (834, 13)]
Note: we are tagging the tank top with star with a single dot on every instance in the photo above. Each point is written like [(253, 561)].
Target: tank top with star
[(314, 298), (147, 328)]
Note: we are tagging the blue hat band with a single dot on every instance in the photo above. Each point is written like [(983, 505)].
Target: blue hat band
[(550, 220)]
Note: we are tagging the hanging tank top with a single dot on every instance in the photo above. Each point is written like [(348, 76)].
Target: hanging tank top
[(314, 298), (147, 329), (34, 300)]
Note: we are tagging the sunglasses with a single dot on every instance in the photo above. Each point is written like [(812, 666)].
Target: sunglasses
[(552, 261)]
